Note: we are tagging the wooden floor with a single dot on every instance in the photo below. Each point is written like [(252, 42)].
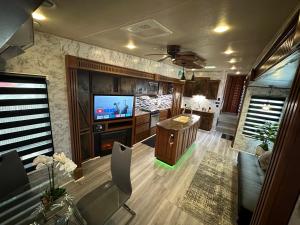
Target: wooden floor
[(156, 190)]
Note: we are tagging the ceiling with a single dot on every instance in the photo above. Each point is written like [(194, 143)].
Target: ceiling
[(252, 25)]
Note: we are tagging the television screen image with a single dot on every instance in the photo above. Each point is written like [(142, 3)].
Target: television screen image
[(112, 107)]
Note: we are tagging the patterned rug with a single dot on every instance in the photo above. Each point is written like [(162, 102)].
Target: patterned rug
[(212, 195)]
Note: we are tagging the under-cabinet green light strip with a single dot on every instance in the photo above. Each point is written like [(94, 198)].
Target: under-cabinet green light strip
[(185, 156)]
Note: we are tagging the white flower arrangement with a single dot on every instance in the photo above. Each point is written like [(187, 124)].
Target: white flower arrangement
[(60, 161)]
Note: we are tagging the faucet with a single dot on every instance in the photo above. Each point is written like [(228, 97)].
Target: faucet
[(187, 107)]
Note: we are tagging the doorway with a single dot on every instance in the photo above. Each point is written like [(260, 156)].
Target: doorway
[(233, 93)]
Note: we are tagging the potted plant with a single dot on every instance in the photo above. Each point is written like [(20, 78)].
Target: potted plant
[(56, 163), (266, 134)]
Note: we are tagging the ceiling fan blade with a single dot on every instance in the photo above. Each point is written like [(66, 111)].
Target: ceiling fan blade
[(155, 54), (187, 53), (164, 58)]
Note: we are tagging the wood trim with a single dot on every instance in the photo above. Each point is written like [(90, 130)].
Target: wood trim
[(247, 80), (90, 65), (281, 188), (282, 47), (229, 91), (71, 77)]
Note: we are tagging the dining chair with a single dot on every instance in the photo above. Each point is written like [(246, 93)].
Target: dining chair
[(100, 204), (12, 173)]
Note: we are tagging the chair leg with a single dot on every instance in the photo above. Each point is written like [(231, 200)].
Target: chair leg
[(133, 214)]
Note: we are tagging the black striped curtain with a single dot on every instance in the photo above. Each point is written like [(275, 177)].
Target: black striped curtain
[(24, 117), (257, 116)]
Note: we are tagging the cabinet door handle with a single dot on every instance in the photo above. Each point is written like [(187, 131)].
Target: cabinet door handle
[(171, 139)]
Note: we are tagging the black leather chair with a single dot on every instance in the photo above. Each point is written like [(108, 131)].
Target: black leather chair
[(12, 174), (101, 203), (250, 180)]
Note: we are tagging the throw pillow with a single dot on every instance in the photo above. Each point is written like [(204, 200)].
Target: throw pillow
[(264, 160)]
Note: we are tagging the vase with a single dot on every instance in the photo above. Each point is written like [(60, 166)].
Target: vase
[(54, 209), (259, 151)]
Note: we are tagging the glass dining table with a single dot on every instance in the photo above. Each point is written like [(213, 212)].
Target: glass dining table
[(23, 207)]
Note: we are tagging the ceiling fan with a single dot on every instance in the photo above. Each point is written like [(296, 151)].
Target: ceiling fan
[(187, 59)]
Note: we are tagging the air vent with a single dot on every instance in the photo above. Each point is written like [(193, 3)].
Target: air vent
[(147, 29)]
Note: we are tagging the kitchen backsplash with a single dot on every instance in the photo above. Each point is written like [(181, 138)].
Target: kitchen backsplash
[(153, 103)]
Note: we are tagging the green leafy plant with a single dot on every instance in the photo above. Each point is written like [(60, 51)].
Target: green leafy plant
[(267, 133)]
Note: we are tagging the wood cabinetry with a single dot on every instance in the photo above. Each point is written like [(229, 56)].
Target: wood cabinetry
[(176, 101), (163, 114), (173, 138), (213, 88), (164, 88), (206, 119), (189, 87), (202, 86), (142, 127)]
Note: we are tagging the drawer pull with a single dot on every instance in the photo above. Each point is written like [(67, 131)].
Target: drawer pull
[(171, 139)]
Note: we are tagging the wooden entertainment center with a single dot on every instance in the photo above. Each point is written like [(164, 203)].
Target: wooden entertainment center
[(85, 78)]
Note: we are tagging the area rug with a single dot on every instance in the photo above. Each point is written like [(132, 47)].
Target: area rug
[(150, 142), (212, 195)]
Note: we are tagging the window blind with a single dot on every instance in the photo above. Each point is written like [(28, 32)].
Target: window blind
[(257, 116), (25, 124)]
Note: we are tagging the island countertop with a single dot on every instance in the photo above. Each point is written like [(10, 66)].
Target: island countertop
[(171, 124)]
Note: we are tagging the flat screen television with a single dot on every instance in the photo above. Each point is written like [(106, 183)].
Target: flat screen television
[(107, 107)]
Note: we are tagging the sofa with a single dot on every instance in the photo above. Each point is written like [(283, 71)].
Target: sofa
[(250, 180)]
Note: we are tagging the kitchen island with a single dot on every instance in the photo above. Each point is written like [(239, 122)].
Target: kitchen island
[(174, 136)]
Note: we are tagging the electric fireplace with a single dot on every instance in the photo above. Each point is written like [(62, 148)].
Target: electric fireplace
[(103, 141)]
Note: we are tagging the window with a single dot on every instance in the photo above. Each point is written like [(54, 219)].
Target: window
[(262, 109), (24, 117)]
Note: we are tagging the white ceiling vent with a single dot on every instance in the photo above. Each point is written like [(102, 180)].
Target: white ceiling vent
[(147, 29)]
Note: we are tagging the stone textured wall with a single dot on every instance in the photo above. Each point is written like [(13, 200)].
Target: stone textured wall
[(47, 57), (194, 104), (242, 142), (153, 103)]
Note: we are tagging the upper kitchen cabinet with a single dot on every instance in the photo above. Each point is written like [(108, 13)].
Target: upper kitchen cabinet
[(127, 85), (146, 87), (213, 88), (189, 87), (164, 88), (202, 86)]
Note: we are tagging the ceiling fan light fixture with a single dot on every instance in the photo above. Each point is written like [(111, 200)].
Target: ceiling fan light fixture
[(193, 76), (183, 74)]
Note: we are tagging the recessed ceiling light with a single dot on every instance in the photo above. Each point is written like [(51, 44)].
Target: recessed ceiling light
[(221, 28), (229, 51), (233, 67), (38, 16), (233, 60), (210, 67), (130, 45), (238, 72)]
